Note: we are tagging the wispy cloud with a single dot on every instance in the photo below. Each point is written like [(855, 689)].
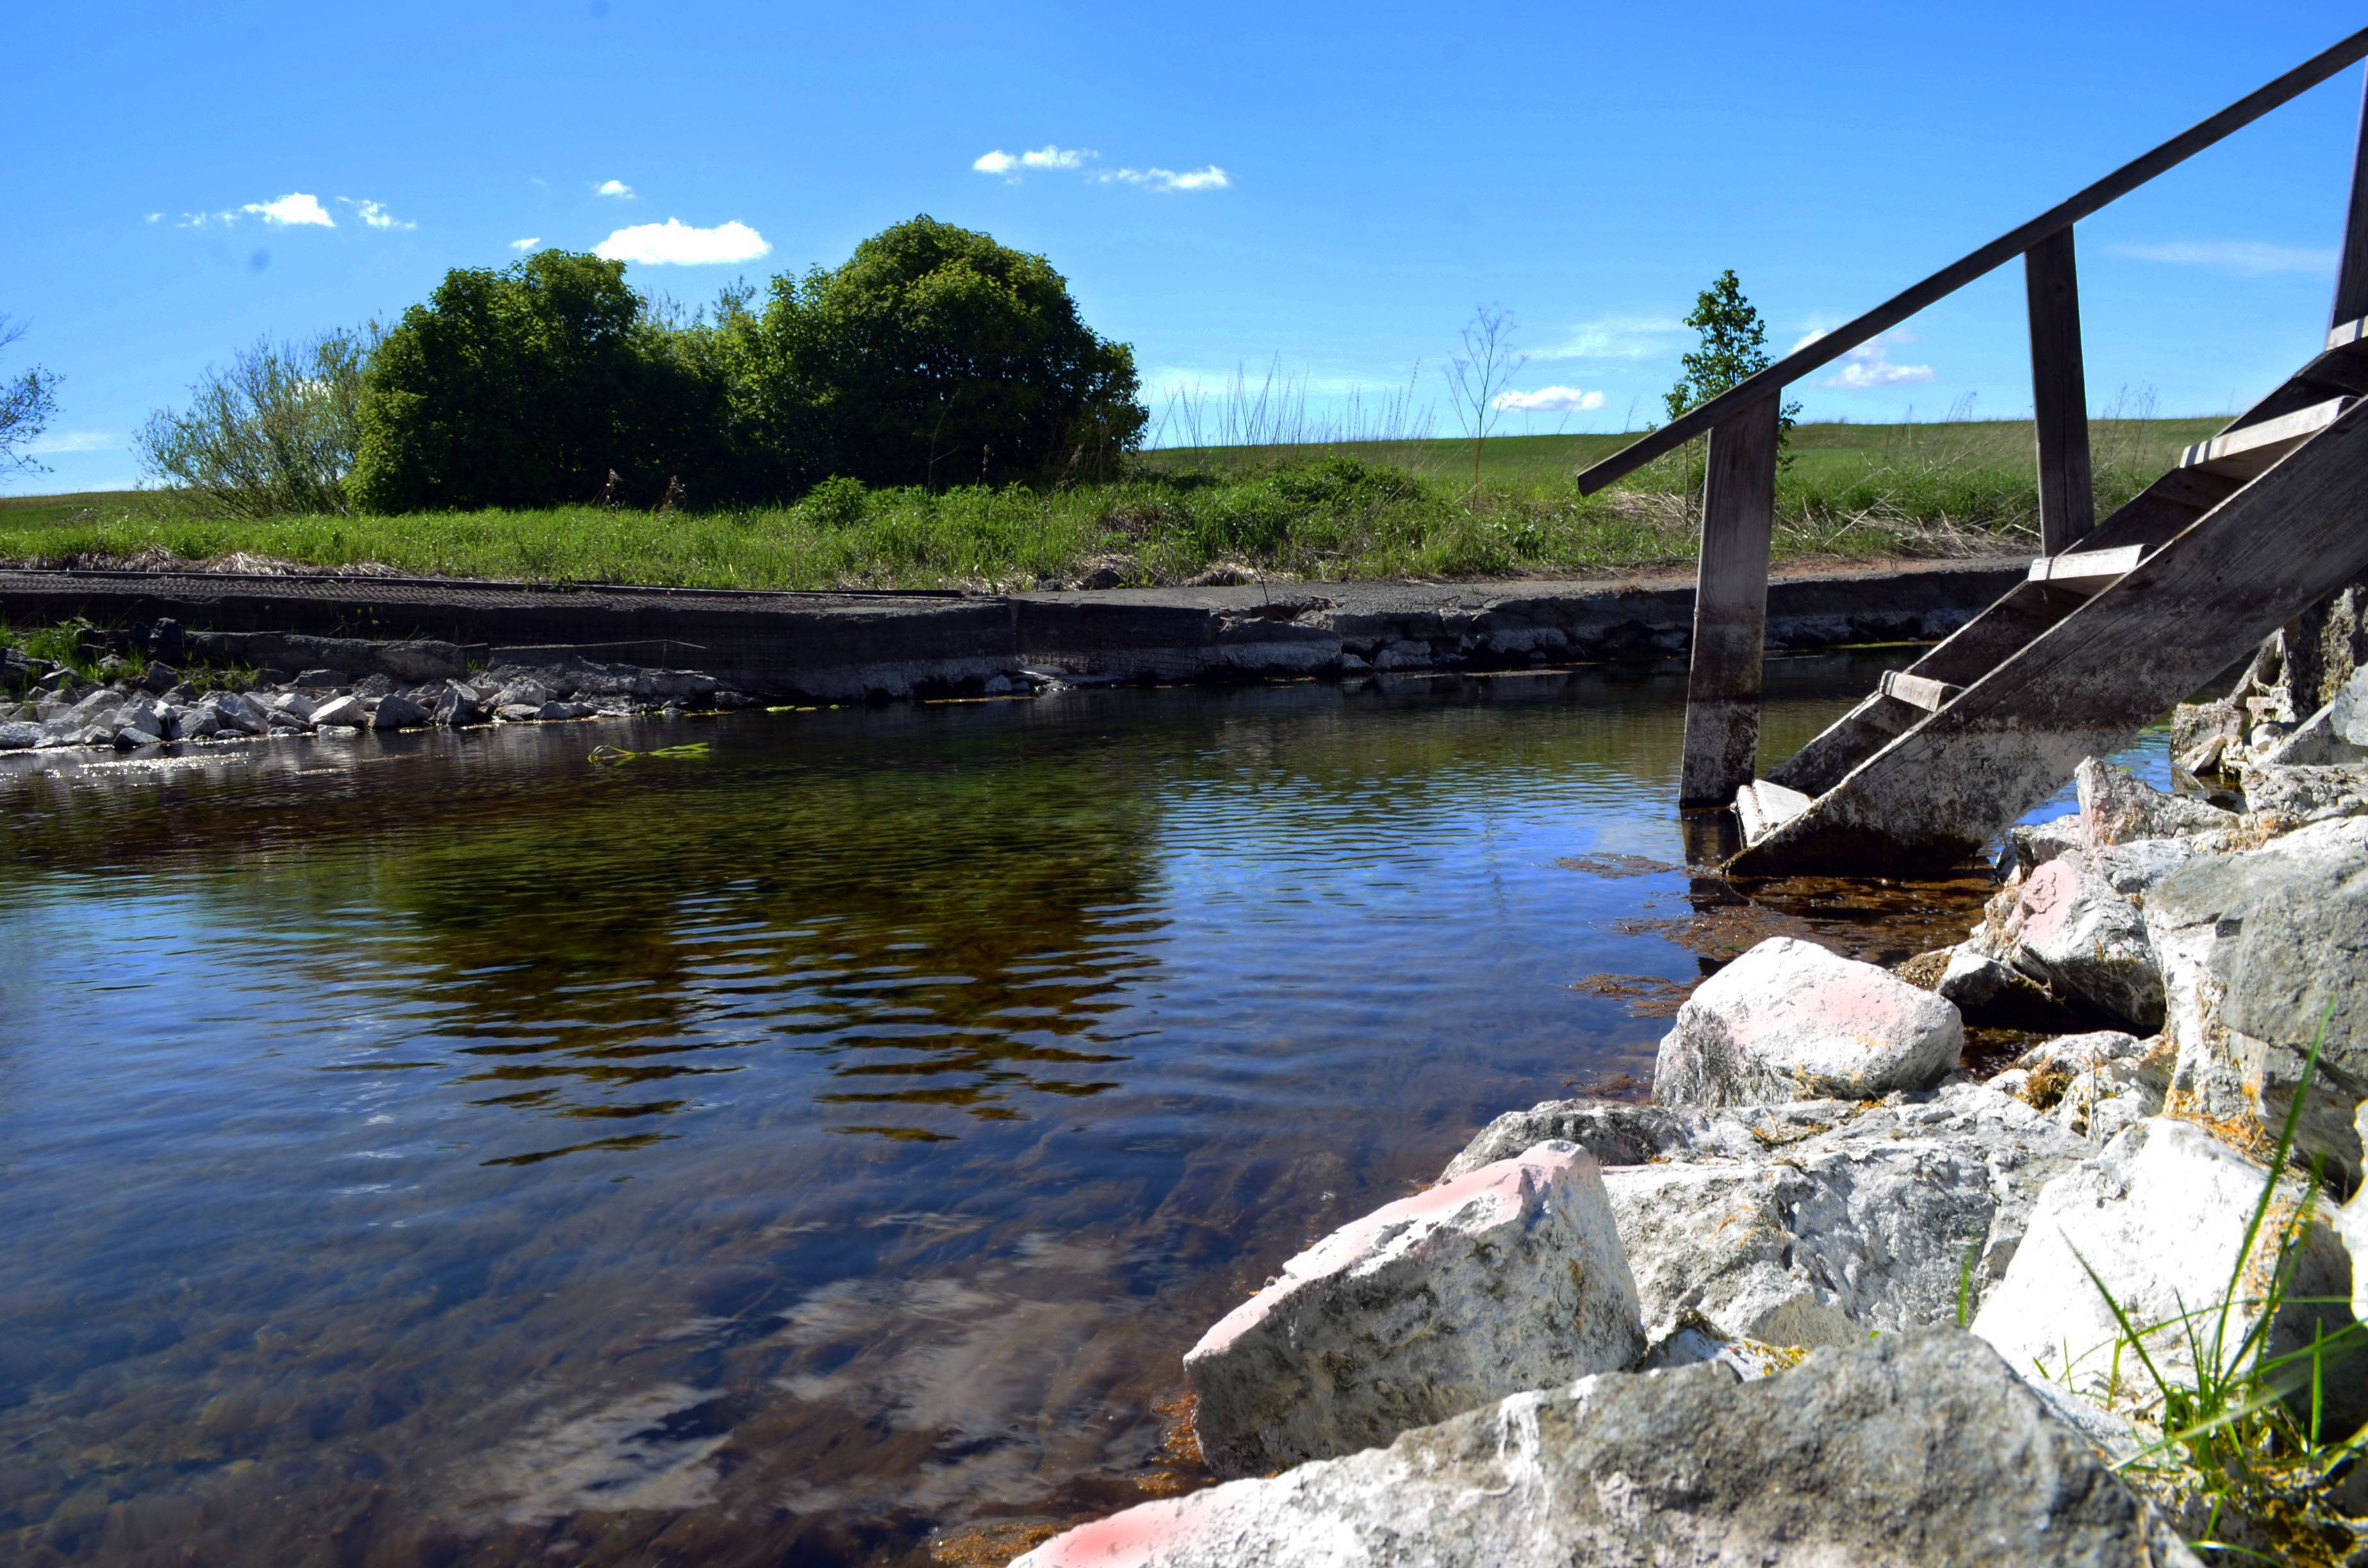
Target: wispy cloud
[(2249, 258), (1869, 364), (1011, 165), (295, 209), (677, 244), (76, 441), (1549, 399), (1613, 337), (526, 243), (615, 188), (155, 217), (1209, 178), (375, 214)]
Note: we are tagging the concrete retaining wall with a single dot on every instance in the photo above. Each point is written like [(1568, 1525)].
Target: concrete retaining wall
[(850, 647)]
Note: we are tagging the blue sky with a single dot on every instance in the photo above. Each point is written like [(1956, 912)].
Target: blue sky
[(1330, 187)]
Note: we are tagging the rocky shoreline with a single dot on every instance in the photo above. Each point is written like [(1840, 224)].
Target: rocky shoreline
[(1826, 1298)]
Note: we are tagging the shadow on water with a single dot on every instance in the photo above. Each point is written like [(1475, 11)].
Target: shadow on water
[(442, 1149)]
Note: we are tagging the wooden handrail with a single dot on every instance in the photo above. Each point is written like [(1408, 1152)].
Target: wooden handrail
[(1957, 274)]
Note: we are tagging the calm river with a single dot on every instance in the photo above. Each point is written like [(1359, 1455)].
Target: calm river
[(443, 1150)]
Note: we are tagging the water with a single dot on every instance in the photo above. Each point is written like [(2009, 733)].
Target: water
[(440, 1149)]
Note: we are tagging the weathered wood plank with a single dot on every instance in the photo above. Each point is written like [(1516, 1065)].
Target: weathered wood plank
[(2059, 393), (1730, 608), (2246, 450), (1959, 273), (2352, 270), (2082, 688), (2086, 571), (1762, 808), (1919, 691)]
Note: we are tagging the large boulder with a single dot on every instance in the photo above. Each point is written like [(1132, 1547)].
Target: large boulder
[(2194, 919), (2300, 964), (2160, 1216), (2069, 929), (1810, 1222), (1789, 1020), (2306, 794), (1509, 1277), (2116, 806), (1920, 1448)]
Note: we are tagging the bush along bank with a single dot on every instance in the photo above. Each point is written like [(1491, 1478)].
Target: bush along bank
[(1827, 1297)]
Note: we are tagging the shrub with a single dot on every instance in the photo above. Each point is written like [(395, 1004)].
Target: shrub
[(274, 433), (528, 387), (936, 357)]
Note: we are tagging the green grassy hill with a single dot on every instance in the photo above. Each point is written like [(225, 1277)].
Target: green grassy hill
[(1381, 509)]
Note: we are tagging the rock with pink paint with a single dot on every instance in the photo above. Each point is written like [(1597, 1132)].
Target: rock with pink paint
[(1509, 1277), (2069, 929), (1791, 1021), (1922, 1448)]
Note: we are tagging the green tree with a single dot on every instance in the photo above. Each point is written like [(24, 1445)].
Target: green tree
[(936, 357), (1733, 347), (27, 403), (532, 386), (273, 433)]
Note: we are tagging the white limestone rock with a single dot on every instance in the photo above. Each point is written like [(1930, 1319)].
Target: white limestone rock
[(1813, 1222), (2193, 919), (2117, 807), (2071, 930), (1921, 1448), (1789, 1020), (2297, 795), (2159, 1214), (341, 713), (1507, 1278)]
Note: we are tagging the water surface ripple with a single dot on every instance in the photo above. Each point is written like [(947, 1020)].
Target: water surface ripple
[(438, 1149)]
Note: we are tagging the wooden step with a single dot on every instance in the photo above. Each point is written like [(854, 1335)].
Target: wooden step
[(2346, 331), (1762, 808), (1919, 691), (2086, 572), (2249, 449)]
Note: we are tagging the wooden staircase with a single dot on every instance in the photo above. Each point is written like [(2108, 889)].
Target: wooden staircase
[(2117, 620)]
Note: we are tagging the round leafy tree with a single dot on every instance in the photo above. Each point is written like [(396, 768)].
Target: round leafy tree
[(937, 357)]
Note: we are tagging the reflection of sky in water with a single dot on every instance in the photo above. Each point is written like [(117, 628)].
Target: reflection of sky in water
[(460, 1148)]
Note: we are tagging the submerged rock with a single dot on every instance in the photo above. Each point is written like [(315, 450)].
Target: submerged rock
[(1918, 1448), (1789, 1020), (1507, 1278)]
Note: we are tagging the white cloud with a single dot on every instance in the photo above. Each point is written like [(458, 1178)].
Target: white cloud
[(526, 243), (677, 244), (292, 211), (1806, 338), (2249, 258), (375, 214), (76, 441), (155, 217), (1211, 178), (615, 188), (1549, 399), (1613, 337), (1011, 165), (1869, 364)]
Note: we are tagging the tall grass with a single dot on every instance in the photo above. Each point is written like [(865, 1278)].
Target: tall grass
[(2249, 1435), (1325, 510)]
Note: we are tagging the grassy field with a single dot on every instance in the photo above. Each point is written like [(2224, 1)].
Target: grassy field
[(1395, 509)]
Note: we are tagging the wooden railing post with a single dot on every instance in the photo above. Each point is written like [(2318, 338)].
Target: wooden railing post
[(2351, 272), (1730, 606), (2059, 393)]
